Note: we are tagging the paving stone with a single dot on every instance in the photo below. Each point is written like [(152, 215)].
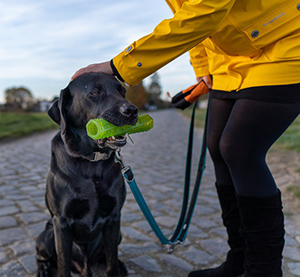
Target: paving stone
[(27, 206), (12, 269), (134, 234), (147, 263), (166, 221), (8, 236), (23, 247), (29, 218), (215, 246), (176, 261), (8, 221), (15, 196), (196, 232), (290, 240), (204, 210), (9, 210), (36, 193), (39, 201), (29, 263), (130, 248), (129, 217), (5, 202), (143, 225), (292, 230), (34, 230), (198, 257), (291, 253), (221, 231), (3, 257), (204, 223), (294, 268)]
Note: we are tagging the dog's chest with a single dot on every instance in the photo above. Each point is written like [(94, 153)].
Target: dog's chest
[(101, 185)]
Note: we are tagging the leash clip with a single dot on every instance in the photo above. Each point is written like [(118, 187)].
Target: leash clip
[(172, 246), (128, 174), (126, 170), (119, 158)]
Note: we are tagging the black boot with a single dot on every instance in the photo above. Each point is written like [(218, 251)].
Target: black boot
[(234, 264), (263, 230)]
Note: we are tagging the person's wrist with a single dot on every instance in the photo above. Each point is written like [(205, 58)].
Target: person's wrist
[(115, 71)]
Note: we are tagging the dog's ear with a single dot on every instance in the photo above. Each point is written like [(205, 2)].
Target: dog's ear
[(63, 105), (57, 111), (54, 113)]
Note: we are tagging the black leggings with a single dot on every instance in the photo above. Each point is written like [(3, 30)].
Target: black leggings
[(240, 132)]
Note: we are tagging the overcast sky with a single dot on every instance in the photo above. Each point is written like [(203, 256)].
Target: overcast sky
[(43, 42)]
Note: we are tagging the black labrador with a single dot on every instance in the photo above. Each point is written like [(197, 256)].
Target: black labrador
[(85, 190)]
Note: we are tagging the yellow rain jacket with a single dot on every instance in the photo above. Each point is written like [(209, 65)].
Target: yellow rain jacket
[(242, 43)]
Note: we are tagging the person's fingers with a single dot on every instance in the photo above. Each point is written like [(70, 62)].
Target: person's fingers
[(208, 81), (94, 68), (78, 73)]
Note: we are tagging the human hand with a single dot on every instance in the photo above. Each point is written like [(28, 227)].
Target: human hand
[(186, 97), (207, 80), (94, 68)]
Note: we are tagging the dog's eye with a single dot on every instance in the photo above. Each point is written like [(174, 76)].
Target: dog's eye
[(95, 92)]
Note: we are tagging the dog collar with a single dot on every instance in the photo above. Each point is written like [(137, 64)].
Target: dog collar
[(97, 156)]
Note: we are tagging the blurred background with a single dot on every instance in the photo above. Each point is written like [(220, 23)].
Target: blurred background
[(43, 43)]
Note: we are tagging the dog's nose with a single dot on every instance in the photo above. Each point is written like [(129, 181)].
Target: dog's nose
[(129, 110)]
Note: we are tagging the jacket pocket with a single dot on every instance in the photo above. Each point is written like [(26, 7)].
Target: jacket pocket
[(246, 30), (275, 25)]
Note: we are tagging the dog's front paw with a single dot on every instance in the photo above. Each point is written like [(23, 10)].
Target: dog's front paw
[(120, 271), (43, 269), (123, 269)]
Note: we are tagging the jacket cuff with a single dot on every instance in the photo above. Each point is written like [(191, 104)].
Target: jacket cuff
[(117, 74)]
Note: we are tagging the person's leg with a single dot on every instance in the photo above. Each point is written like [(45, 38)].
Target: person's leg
[(218, 115), (252, 128), (219, 112), (250, 131)]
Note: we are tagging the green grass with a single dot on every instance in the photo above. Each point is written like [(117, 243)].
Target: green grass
[(199, 116), (295, 190), (290, 140), (14, 125)]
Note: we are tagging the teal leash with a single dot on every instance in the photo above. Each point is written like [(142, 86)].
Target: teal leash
[(184, 221)]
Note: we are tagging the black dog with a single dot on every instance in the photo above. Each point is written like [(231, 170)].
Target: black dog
[(85, 189)]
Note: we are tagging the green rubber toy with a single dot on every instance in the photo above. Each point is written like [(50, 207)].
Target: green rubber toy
[(100, 128)]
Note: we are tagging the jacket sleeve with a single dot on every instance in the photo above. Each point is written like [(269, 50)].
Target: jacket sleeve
[(190, 25), (199, 60)]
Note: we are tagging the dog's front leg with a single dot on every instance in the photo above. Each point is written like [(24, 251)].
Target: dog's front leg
[(111, 236), (63, 245)]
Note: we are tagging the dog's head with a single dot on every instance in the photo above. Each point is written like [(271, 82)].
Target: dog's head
[(92, 95)]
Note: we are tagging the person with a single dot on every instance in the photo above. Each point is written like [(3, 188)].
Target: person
[(252, 50)]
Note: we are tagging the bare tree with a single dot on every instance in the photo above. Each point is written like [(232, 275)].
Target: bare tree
[(18, 98)]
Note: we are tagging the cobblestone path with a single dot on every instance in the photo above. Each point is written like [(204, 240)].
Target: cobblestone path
[(157, 159)]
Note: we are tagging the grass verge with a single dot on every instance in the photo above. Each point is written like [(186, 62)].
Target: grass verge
[(14, 125), (295, 190)]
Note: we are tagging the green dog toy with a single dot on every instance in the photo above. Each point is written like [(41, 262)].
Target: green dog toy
[(100, 128)]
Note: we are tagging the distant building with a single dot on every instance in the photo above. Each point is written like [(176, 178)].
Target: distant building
[(44, 105)]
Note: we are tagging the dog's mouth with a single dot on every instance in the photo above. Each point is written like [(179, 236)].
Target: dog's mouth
[(114, 142)]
